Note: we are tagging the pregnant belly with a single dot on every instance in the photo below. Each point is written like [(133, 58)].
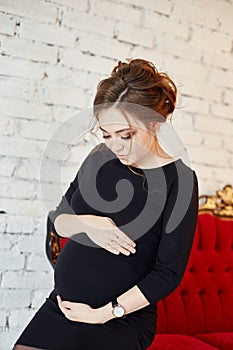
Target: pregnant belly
[(94, 275)]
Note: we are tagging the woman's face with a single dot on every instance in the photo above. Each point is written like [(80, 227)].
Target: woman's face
[(116, 134)]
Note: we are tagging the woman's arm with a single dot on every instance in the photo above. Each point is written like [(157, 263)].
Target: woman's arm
[(67, 221), (67, 225), (181, 213)]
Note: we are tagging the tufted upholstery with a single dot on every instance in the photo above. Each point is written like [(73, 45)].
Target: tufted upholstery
[(202, 305)]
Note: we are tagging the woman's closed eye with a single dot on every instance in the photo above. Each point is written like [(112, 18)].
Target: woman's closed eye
[(123, 137), (128, 136)]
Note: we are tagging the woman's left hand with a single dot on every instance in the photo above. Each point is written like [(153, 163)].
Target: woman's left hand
[(78, 312)]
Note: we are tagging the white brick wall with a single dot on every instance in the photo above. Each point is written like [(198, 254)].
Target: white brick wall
[(52, 54)]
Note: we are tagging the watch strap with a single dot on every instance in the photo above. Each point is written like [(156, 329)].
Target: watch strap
[(114, 302)]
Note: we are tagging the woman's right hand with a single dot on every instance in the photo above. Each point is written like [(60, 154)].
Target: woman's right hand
[(103, 231)]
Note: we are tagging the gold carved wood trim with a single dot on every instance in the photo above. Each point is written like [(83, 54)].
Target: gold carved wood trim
[(55, 246), (220, 204)]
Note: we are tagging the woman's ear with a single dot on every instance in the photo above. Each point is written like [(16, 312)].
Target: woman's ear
[(154, 127)]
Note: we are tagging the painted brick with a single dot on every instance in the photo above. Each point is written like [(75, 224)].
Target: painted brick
[(210, 157), (228, 97), (89, 23), (212, 125), (8, 337), (213, 141), (18, 146), (25, 110), (38, 262), (73, 77), (29, 243), (218, 77), (76, 59), (192, 13), (47, 34), (14, 188), (59, 94), (9, 126), (15, 87), (160, 25), (107, 48), (222, 10), (18, 47), (3, 222), (74, 4), (40, 11), (202, 90), (22, 206), (194, 105), (7, 24), (152, 55), (7, 243), (36, 129), (39, 297), (220, 110), (122, 12), (218, 59), (7, 166), (18, 319), (14, 298), (220, 175), (22, 280), (28, 169), (3, 318), (20, 68), (160, 6), (20, 224), (178, 48), (134, 35), (216, 40), (6, 261)]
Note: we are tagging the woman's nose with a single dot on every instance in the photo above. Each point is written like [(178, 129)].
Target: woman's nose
[(116, 146)]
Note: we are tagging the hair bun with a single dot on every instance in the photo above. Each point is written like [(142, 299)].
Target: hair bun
[(145, 86), (140, 74)]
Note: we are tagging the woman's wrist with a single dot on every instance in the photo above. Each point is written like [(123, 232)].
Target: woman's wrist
[(68, 225), (104, 313)]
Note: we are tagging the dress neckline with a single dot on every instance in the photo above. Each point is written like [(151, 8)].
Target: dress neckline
[(151, 169)]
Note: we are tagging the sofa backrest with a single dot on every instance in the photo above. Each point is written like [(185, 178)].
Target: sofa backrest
[(203, 302)]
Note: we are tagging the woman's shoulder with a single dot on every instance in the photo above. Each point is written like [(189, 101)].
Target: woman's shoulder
[(179, 174)]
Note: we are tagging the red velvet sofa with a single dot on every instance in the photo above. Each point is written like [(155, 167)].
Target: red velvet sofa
[(198, 315)]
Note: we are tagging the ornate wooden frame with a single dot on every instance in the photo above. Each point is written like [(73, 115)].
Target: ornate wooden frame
[(220, 205)]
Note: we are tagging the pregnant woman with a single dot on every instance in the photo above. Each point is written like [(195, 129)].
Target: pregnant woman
[(130, 213)]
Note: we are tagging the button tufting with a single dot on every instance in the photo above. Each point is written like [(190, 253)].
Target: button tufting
[(183, 292), (210, 269)]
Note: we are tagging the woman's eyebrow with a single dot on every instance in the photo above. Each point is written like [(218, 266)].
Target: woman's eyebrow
[(115, 131)]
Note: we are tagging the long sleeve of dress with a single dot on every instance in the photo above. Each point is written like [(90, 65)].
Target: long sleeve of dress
[(64, 207), (178, 229)]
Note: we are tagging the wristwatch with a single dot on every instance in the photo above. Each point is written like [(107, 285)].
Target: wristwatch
[(117, 309)]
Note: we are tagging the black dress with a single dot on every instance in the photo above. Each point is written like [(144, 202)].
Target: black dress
[(159, 212)]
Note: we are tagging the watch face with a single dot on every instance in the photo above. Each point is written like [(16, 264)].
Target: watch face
[(118, 311)]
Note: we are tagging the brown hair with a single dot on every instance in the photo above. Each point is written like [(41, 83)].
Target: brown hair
[(134, 83)]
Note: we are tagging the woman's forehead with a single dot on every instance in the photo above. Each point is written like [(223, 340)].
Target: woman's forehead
[(114, 120)]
